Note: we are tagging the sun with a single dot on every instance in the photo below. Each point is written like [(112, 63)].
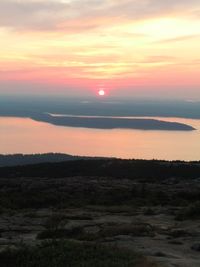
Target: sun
[(101, 92)]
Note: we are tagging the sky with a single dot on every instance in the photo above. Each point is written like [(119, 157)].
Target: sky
[(75, 47)]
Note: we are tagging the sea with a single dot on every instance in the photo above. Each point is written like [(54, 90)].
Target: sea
[(24, 135)]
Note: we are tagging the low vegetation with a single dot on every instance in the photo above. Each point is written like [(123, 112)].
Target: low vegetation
[(124, 203), (191, 212), (70, 254)]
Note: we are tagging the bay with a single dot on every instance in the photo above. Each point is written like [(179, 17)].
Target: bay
[(24, 135)]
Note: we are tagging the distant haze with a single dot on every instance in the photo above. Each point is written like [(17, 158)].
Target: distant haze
[(27, 106)]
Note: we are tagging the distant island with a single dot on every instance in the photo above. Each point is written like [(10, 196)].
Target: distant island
[(128, 114), (112, 123)]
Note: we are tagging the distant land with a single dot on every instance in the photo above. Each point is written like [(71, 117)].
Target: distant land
[(41, 109), (26, 159), (108, 122), (11, 160), (33, 105), (113, 123)]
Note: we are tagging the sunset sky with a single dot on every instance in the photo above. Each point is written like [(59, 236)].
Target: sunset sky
[(75, 47)]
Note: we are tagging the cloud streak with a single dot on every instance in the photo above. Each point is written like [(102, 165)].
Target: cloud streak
[(83, 15), (37, 15)]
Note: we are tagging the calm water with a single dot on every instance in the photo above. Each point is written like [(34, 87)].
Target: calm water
[(21, 135)]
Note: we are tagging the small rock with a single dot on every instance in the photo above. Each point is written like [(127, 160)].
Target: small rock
[(124, 238), (178, 233), (160, 254), (175, 242), (196, 247), (92, 229)]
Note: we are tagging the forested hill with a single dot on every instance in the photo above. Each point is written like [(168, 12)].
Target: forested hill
[(107, 168), (22, 159)]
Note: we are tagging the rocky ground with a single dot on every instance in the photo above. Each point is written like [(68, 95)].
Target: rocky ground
[(157, 235), (159, 218)]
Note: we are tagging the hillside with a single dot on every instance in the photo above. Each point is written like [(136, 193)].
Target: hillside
[(24, 159), (146, 207)]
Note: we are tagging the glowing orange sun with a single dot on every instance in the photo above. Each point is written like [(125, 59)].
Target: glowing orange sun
[(101, 92)]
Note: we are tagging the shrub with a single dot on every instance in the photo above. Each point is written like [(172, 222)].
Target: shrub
[(55, 221), (190, 212), (70, 254)]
